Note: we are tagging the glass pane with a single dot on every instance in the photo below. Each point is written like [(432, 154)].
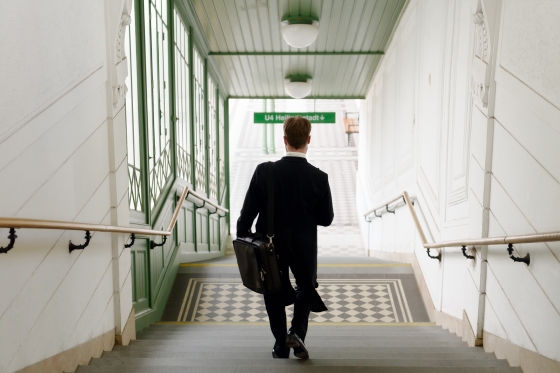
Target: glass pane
[(212, 138), (132, 122), (200, 138), (182, 131), (157, 77), (222, 152)]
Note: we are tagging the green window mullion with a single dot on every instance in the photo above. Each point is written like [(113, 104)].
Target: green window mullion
[(171, 88), (142, 102), (207, 146), (149, 99), (218, 113), (191, 73), (226, 160)]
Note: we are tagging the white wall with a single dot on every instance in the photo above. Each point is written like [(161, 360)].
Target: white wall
[(62, 157), (466, 117)]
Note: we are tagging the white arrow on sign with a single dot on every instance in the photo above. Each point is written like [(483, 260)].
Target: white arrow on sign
[(322, 117)]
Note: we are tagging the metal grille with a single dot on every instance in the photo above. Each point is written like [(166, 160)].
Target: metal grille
[(135, 188), (183, 163), (159, 175)]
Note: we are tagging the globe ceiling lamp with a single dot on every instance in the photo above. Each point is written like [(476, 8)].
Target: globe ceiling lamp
[(298, 86), (300, 31)]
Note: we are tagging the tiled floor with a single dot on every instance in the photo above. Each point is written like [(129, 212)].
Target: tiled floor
[(329, 151), (359, 290)]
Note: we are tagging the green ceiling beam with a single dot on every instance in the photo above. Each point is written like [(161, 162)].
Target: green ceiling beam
[(295, 53), (305, 98)]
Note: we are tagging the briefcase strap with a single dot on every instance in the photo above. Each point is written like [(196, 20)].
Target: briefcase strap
[(270, 224)]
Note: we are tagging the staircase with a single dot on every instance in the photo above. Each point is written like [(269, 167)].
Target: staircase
[(247, 348), (377, 322)]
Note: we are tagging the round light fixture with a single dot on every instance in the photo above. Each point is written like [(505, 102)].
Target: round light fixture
[(300, 32), (298, 87)]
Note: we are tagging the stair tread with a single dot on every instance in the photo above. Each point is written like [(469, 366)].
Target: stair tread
[(294, 369), (267, 336), (311, 343), (266, 348), (328, 328), (364, 361), (331, 353)]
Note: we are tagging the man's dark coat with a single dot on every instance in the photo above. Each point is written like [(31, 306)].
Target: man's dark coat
[(302, 200)]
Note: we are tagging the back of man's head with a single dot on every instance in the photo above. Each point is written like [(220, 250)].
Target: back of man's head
[(297, 130)]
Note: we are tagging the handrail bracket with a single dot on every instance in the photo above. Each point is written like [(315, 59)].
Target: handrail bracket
[(526, 259), (12, 237), (153, 244), (464, 250), (438, 256), (132, 239), (72, 247)]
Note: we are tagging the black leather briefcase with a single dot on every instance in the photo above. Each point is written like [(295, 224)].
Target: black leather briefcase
[(256, 256)]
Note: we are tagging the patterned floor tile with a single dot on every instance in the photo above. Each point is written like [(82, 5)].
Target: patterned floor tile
[(350, 300)]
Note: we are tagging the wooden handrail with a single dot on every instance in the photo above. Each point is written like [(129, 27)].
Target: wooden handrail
[(177, 209), (503, 240), (18, 223), (207, 201), (71, 226)]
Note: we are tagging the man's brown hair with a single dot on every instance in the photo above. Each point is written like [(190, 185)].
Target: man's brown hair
[(297, 130)]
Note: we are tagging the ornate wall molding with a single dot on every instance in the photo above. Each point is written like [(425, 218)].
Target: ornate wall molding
[(480, 79), (119, 56)]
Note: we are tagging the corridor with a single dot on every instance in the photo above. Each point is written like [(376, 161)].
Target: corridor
[(130, 130), (329, 151)]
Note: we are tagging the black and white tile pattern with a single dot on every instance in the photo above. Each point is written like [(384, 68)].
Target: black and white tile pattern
[(348, 300)]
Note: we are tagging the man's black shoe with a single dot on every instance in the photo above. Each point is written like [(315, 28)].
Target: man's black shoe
[(295, 342), (281, 354)]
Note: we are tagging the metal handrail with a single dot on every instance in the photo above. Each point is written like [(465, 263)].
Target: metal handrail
[(503, 240), (71, 226), (207, 201), (18, 223)]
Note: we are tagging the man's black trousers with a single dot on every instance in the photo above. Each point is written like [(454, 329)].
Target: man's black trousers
[(276, 309)]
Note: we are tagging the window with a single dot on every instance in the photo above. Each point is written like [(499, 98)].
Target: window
[(135, 201), (200, 136), (222, 146), (212, 139), (182, 79), (157, 77)]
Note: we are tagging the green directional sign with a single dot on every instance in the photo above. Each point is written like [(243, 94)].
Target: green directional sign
[(329, 117)]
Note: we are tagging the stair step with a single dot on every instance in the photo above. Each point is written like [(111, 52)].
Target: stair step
[(267, 336), (318, 353), (184, 362), (311, 342), (296, 368), (327, 329), (266, 348)]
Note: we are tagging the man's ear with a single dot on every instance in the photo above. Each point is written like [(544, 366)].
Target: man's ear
[(309, 139), (285, 141)]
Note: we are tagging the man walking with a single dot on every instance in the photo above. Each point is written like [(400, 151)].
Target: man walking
[(302, 200)]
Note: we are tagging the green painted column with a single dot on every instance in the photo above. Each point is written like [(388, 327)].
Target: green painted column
[(264, 143), (271, 148)]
